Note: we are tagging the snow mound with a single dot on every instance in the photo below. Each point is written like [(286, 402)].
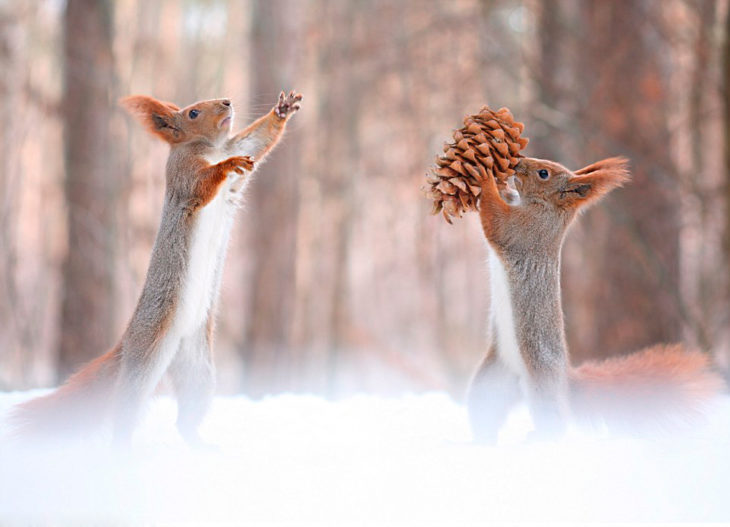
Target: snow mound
[(366, 460)]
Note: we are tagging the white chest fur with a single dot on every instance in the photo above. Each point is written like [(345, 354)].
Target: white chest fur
[(207, 250), (502, 315)]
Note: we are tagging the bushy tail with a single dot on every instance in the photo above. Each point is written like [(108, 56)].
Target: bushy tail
[(78, 406), (655, 388)]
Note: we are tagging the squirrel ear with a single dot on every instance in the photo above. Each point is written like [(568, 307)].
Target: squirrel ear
[(618, 165), (157, 116), (591, 183)]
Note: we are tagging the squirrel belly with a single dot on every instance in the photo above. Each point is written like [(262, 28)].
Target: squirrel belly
[(208, 245), (502, 316)]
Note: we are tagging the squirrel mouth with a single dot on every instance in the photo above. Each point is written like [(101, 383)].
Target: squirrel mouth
[(225, 122)]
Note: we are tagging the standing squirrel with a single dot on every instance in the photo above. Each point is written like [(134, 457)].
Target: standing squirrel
[(527, 356), (172, 327)]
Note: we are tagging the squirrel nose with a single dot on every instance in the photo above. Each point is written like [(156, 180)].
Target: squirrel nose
[(226, 102)]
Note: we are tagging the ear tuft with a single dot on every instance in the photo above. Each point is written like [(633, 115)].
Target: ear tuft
[(156, 116), (591, 183), (617, 166)]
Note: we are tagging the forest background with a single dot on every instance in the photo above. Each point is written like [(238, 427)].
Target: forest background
[(338, 280)]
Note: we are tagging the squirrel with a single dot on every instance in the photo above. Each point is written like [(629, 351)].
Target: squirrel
[(527, 356), (172, 327)]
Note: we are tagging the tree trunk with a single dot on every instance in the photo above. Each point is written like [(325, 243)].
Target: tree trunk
[(15, 328), (622, 93), (550, 71), (698, 283), (272, 203), (726, 125), (88, 270), (343, 119)]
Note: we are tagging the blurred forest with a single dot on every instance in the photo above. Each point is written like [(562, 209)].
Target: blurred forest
[(338, 279)]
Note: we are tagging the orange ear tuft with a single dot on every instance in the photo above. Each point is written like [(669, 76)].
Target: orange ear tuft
[(156, 116), (618, 165), (591, 183)]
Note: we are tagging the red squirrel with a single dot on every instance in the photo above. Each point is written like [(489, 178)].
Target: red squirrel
[(527, 356), (172, 327)]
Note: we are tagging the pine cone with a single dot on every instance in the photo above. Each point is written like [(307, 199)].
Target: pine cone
[(489, 144)]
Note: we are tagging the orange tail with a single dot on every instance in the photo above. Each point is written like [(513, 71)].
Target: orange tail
[(658, 387), (76, 407)]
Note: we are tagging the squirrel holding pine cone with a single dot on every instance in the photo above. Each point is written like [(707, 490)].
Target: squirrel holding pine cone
[(527, 355)]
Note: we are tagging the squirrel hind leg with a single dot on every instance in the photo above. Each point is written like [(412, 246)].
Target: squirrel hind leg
[(193, 376), (547, 399), (493, 392), (139, 376)]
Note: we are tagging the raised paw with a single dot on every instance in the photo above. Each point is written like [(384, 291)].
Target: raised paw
[(288, 104), (239, 164)]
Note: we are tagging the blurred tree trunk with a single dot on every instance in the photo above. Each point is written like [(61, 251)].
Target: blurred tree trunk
[(15, 329), (88, 270), (324, 318), (272, 203), (550, 74), (726, 126), (623, 92), (700, 313), (341, 114)]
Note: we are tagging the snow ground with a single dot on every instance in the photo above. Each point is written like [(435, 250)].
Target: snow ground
[(366, 460)]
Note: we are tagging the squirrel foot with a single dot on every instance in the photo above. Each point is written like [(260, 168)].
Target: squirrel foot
[(239, 165), (288, 104)]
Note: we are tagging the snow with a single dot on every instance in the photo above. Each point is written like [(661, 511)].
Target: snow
[(366, 460)]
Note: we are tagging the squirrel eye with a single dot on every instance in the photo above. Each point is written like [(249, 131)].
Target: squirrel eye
[(193, 113), (543, 173)]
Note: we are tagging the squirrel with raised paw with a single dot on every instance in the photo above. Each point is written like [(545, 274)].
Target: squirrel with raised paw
[(172, 327)]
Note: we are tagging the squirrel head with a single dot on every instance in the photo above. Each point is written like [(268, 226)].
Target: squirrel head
[(551, 186), (207, 120)]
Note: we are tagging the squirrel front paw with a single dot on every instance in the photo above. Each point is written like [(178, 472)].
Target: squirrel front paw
[(288, 104), (239, 164)]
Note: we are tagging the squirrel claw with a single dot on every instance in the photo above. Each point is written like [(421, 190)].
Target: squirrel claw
[(239, 164), (287, 104)]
